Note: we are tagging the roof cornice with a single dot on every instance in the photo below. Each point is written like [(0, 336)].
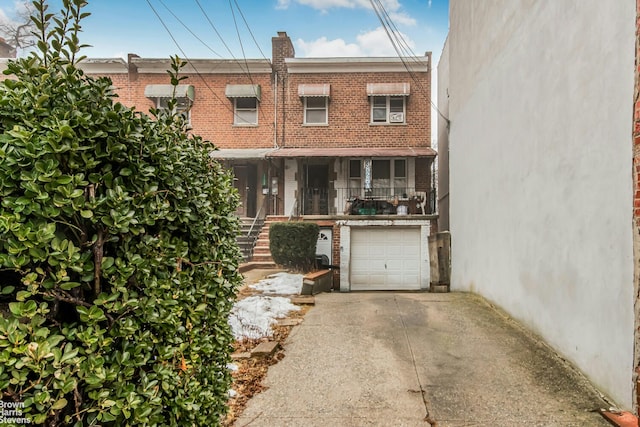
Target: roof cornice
[(103, 65), (358, 64), (204, 66)]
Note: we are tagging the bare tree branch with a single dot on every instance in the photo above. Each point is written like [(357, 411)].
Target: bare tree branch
[(18, 30)]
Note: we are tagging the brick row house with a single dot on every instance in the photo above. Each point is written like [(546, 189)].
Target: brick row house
[(344, 142)]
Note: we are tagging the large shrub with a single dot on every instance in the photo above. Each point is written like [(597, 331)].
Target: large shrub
[(293, 244), (118, 261)]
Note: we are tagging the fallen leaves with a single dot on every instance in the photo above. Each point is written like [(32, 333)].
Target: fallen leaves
[(248, 378)]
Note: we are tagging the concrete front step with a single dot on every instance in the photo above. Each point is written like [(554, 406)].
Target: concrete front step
[(263, 259), (251, 265)]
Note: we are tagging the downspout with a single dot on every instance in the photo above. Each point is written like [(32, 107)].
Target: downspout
[(275, 112), (284, 117)]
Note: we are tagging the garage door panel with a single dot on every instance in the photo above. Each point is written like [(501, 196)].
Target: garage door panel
[(385, 258)]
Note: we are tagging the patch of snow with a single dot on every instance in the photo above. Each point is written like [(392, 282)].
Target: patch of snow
[(252, 317), (281, 284), (232, 367)]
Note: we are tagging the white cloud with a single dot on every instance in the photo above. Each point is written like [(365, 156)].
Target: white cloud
[(402, 18), (393, 7), (323, 47), (325, 5), (21, 6), (371, 43), (3, 17)]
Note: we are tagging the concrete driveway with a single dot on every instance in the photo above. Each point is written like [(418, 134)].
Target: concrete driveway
[(408, 359)]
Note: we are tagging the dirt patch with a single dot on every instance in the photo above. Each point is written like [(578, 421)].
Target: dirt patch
[(247, 379)]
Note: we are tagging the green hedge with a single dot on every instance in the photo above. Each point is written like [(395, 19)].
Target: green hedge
[(118, 260), (293, 244)]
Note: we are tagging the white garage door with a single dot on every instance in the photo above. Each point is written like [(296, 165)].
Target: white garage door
[(385, 258)]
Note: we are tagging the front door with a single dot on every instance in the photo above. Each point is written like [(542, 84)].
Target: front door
[(245, 183), (316, 191)]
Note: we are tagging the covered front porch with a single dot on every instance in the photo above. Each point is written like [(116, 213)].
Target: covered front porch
[(356, 181)]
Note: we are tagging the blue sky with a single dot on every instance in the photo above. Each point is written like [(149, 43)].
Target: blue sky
[(318, 28)]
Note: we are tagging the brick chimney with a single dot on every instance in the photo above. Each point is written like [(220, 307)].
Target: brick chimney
[(281, 48)]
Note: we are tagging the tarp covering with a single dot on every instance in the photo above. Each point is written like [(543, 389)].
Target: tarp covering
[(314, 90), (166, 91), (388, 89), (243, 91)]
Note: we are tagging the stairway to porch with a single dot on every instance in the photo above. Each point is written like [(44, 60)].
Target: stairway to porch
[(259, 255)]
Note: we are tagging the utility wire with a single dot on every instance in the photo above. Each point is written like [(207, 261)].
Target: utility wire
[(235, 23), (187, 59), (249, 29), (186, 27), (395, 37), (247, 71), (214, 28)]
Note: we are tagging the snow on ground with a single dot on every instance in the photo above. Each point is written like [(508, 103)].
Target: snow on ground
[(252, 317), (280, 283)]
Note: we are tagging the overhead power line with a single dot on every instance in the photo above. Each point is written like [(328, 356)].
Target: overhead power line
[(399, 44)]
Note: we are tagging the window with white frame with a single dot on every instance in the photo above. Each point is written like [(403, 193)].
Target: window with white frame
[(315, 110), (182, 106), (355, 178), (388, 109), (400, 177), (245, 111), (388, 177)]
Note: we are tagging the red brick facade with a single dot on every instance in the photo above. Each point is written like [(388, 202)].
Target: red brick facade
[(212, 112), (280, 124), (350, 112)]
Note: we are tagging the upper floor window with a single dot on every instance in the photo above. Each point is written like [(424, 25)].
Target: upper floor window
[(388, 102), (182, 107), (315, 111), (388, 109), (245, 103), (315, 99), (245, 111), (163, 94)]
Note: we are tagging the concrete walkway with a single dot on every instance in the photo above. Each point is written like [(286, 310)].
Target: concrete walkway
[(407, 359)]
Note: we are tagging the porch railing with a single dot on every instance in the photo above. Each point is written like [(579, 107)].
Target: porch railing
[(359, 201)]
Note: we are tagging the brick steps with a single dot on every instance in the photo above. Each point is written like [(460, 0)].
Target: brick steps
[(261, 251)]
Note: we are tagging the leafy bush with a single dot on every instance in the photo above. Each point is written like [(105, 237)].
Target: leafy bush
[(118, 261), (293, 244)]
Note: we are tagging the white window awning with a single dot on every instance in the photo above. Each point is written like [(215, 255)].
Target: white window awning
[(307, 90), (167, 91), (243, 91), (241, 153), (388, 89)]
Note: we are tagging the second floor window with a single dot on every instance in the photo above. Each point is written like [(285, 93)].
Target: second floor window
[(182, 107), (245, 99), (388, 109), (315, 110), (245, 111)]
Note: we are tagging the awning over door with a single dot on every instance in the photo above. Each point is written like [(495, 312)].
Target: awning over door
[(388, 89), (314, 90), (353, 152), (243, 91), (248, 154), (167, 91)]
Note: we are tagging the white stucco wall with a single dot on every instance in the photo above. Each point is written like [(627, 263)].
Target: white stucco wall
[(443, 139), (540, 170)]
